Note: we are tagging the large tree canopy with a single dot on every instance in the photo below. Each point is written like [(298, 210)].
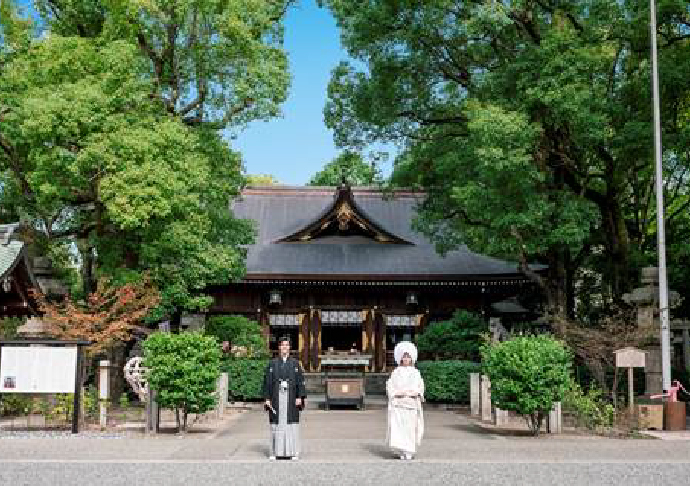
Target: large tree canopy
[(94, 160), (528, 123), (109, 133), (213, 62)]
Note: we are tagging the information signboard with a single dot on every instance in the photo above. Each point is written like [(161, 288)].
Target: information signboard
[(38, 369)]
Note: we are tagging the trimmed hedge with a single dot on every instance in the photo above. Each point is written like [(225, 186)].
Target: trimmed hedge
[(447, 381), (245, 377)]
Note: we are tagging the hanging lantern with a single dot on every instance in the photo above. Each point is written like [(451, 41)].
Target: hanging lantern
[(6, 284), (412, 298), (275, 297)]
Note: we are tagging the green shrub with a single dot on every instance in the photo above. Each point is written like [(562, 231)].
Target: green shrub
[(15, 404), (591, 409), (238, 331), (460, 337), (183, 369), (447, 381), (245, 377), (8, 327), (528, 375)]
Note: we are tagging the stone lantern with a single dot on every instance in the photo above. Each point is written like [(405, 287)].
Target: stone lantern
[(646, 300)]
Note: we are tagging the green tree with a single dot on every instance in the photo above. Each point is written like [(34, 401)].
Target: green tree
[(527, 123), (261, 179), (110, 141), (528, 375), (238, 331), (218, 63), (458, 338), (349, 167), (183, 369), (95, 161)]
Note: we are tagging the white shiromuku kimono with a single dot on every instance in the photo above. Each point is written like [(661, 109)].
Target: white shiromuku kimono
[(405, 415)]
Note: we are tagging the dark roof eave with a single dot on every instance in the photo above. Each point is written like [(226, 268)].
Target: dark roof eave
[(251, 277)]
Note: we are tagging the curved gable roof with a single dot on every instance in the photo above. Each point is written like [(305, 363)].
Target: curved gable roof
[(281, 211)]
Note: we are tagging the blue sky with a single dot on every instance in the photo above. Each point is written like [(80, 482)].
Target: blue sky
[(294, 147)]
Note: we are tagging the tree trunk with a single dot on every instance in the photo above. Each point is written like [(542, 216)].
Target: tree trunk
[(534, 421), (617, 249), (614, 388), (570, 269), (86, 251)]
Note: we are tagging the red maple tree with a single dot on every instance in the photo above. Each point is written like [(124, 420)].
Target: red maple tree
[(106, 317)]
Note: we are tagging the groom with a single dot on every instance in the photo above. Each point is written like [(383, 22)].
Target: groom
[(284, 396)]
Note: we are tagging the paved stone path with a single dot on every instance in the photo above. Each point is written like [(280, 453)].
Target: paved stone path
[(344, 447)]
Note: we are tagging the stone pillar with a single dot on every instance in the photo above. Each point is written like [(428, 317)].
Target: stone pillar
[(652, 370), (222, 391), (103, 391), (686, 348), (475, 395), (485, 398), (152, 411), (555, 420)]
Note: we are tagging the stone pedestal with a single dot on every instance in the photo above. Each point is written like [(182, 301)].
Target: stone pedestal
[(652, 371), (500, 417), (475, 395)]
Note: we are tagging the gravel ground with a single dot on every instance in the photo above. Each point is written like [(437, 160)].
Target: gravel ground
[(377, 474), (340, 447)]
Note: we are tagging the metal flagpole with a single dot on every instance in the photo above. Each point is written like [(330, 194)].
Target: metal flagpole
[(661, 237)]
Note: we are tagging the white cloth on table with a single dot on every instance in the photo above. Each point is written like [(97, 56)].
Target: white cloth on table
[(284, 436), (405, 415)]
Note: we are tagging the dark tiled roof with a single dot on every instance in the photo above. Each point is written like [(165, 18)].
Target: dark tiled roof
[(10, 250), (280, 211)]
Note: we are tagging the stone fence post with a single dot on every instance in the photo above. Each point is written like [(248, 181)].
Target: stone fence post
[(554, 423), (475, 394), (152, 411), (222, 391), (486, 398), (103, 391)]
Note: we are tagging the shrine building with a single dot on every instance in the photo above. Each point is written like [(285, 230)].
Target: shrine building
[(341, 271)]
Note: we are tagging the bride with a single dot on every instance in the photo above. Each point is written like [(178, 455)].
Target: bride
[(405, 390)]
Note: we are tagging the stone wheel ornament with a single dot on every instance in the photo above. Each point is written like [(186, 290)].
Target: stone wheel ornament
[(135, 374)]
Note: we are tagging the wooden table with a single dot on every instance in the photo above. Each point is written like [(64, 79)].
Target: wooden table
[(344, 376)]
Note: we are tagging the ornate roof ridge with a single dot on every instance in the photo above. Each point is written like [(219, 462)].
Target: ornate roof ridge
[(288, 190)]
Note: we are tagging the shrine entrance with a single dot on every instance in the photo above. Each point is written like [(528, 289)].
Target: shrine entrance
[(399, 328), (341, 331), (284, 326)]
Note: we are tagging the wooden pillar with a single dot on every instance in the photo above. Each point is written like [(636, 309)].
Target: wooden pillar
[(265, 327), (368, 336), (315, 340), (379, 342), (304, 342)]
